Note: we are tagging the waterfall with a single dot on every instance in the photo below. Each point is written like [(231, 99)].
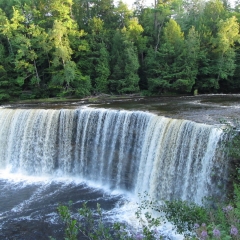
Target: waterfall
[(127, 150)]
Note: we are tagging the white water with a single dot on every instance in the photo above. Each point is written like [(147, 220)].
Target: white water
[(122, 150)]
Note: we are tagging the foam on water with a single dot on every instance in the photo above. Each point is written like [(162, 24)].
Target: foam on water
[(123, 210)]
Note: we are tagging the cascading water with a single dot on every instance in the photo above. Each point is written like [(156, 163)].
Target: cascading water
[(132, 151)]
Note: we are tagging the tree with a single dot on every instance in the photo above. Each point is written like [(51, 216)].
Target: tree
[(102, 70), (228, 34), (166, 68), (63, 35), (19, 34), (220, 59), (191, 62), (123, 14), (125, 64)]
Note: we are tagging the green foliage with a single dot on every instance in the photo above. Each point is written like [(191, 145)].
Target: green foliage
[(92, 226), (125, 65), (183, 85), (102, 70), (83, 86), (233, 143), (71, 230), (184, 215), (231, 147), (220, 221), (87, 226), (45, 43), (4, 97)]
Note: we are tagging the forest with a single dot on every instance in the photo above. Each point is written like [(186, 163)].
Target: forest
[(77, 48)]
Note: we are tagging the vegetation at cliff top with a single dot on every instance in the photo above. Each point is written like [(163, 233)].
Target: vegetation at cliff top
[(76, 48)]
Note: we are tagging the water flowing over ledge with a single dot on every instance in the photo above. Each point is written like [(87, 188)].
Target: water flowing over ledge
[(125, 150)]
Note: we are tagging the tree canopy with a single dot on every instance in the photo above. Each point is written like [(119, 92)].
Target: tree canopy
[(78, 47)]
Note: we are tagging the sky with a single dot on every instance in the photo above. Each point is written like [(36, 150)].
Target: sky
[(151, 2), (130, 2)]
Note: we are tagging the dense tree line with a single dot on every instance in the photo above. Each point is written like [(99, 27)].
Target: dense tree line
[(79, 47)]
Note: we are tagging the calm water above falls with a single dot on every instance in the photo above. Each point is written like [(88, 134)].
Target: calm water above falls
[(126, 151), (208, 108)]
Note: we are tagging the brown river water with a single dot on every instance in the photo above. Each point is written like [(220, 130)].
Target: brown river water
[(209, 108)]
